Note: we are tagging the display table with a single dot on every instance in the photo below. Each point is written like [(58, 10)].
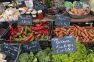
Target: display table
[(86, 19)]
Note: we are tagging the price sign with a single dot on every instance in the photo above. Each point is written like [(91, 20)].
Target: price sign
[(63, 45), (78, 5), (32, 47), (37, 5), (62, 21), (29, 4), (25, 20), (58, 3), (10, 50)]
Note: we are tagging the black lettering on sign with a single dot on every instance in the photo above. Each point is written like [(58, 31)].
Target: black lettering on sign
[(62, 21), (25, 20), (10, 50), (32, 47), (63, 45)]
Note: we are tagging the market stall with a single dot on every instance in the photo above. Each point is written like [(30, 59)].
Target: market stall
[(46, 31)]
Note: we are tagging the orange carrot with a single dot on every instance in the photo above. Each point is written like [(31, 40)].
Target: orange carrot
[(92, 35), (77, 39), (86, 33), (83, 35), (91, 25), (79, 27)]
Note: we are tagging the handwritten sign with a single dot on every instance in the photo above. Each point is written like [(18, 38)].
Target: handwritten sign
[(58, 3), (32, 47), (10, 50), (62, 21), (78, 5), (29, 4), (63, 45), (37, 5), (25, 20)]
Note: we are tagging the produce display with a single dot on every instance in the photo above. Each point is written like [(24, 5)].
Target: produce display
[(81, 34), (10, 14), (29, 33), (78, 11), (41, 56), (23, 34), (54, 11), (82, 54)]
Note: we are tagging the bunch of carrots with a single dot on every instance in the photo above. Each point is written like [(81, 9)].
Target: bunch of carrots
[(81, 34)]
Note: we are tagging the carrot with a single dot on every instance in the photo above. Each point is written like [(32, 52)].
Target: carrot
[(78, 32), (60, 35), (65, 33), (87, 40), (57, 29), (91, 25), (63, 29), (83, 35), (79, 27), (84, 40), (92, 40), (77, 39), (92, 35), (86, 32)]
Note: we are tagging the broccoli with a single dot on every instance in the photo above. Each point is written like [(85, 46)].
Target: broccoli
[(23, 57)]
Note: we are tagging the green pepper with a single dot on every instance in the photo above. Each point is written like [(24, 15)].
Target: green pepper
[(16, 39), (22, 39), (43, 36), (29, 28), (19, 33), (26, 29)]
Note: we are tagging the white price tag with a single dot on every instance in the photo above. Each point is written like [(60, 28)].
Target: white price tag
[(29, 4)]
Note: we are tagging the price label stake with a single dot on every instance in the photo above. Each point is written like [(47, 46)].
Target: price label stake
[(32, 47), (63, 45), (25, 20), (62, 21)]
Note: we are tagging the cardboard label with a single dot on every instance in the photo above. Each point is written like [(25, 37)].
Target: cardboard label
[(25, 20), (63, 45)]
